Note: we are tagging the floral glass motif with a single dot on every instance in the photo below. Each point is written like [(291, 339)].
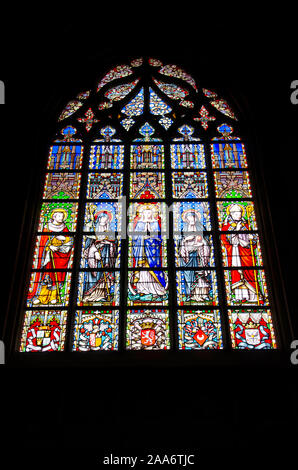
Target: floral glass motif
[(108, 134), (43, 331), (127, 123), (136, 106), (120, 71), (187, 132), (137, 62), (200, 329), (187, 103), (83, 95), (119, 92), (165, 121), (68, 134), (96, 330), (154, 62), (251, 329), (70, 109), (74, 105), (104, 105), (177, 72), (220, 104), (147, 133), (173, 91), (223, 107), (226, 133), (147, 329), (209, 93), (157, 105), (204, 117), (88, 120)]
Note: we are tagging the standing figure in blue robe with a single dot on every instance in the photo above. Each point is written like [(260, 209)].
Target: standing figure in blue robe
[(149, 284)]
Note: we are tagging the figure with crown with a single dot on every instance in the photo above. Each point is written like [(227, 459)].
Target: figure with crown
[(149, 284)]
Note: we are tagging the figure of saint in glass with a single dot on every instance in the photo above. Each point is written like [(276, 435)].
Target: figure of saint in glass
[(194, 252), (53, 257), (100, 251), (150, 284)]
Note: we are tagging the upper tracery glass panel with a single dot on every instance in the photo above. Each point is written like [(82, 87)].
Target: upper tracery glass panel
[(167, 91)]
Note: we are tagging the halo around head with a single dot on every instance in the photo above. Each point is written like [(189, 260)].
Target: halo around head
[(105, 212), (59, 209), (189, 211)]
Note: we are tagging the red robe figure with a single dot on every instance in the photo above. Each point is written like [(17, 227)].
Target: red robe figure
[(239, 249), (53, 254)]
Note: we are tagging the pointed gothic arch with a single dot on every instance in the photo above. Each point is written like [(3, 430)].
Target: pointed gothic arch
[(150, 150)]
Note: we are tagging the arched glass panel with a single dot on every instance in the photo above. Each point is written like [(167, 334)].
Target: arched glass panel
[(147, 236)]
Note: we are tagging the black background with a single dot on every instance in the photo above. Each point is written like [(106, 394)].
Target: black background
[(224, 415)]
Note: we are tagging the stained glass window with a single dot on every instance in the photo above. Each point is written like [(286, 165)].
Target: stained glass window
[(148, 233)]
